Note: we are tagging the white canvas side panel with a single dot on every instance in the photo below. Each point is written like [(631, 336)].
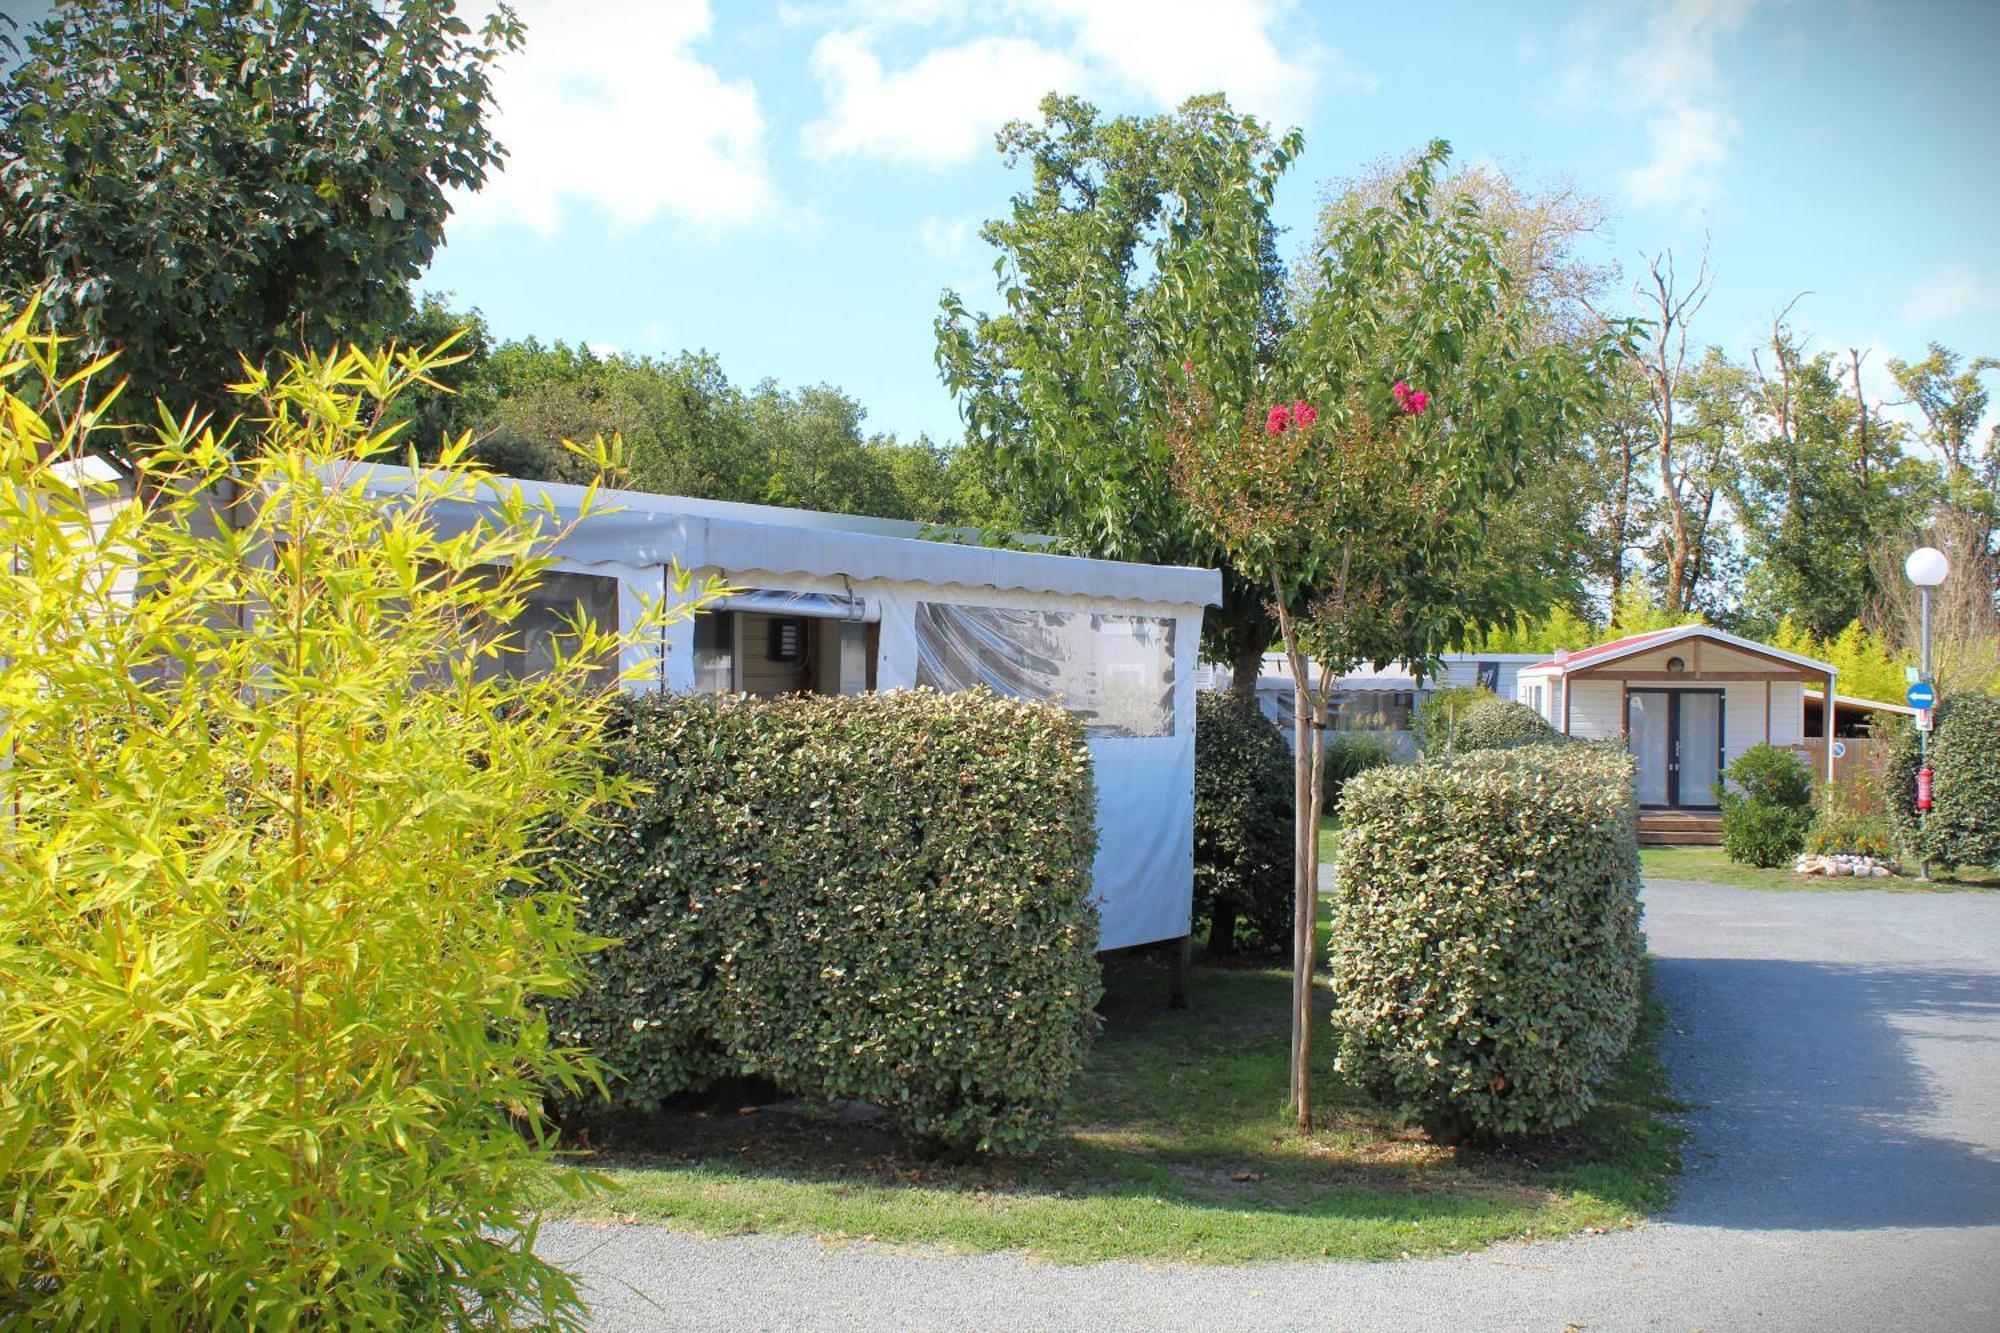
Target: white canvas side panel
[(896, 649), (1596, 709), (1144, 873)]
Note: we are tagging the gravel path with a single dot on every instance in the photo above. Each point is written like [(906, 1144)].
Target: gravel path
[(1843, 1049)]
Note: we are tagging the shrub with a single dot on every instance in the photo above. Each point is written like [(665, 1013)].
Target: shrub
[(883, 897), (1436, 720), (1242, 825), (1347, 754), (269, 1037), (1486, 943), (1840, 831), (1758, 834), (1494, 723), (1771, 776), (1963, 826), (1766, 806)]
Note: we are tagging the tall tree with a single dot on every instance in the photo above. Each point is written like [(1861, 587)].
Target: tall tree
[(1948, 392), (1563, 524), (198, 181), (1821, 485), (1671, 307), (1064, 392), (1397, 412)]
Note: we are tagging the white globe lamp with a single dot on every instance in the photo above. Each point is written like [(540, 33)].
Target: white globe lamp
[(1927, 567)]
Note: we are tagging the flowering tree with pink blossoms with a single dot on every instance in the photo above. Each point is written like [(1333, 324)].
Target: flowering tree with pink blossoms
[(1398, 411)]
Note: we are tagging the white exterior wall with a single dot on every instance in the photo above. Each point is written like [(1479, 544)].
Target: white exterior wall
[(1788, 712), (1596, 709)]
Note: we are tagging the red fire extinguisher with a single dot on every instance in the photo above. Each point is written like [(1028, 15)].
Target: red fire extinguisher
[(1924, 788)]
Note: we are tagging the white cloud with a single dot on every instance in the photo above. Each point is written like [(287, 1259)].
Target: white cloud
[(949, 239), (1690, 146), (608, 108), (602, 351), (1948, 293), (940, 110), (1671, 77), (942, 107)]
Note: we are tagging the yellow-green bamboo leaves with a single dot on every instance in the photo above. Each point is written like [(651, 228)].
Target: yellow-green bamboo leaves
[(272, 1051)]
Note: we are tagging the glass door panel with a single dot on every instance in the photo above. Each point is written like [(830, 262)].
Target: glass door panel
[(1700, 745), (1649, 739)]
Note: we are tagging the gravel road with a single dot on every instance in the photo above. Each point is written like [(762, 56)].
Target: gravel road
[(1843, 1050)]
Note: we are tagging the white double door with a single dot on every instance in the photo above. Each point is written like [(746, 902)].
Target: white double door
[(1676, 742)]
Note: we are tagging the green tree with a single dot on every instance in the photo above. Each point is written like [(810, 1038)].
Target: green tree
[(1948, 391), (1567, 524), (1402, 404), (278, 926), (195, 182), (1821, 486), (1139, 246)]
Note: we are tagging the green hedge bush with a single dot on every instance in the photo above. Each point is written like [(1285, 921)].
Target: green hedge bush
[(1436, 720), (1766, 806), (1486, 945), (883, 897), (1242, 825), (1493, 723), (1963, 828), (1756, 833), (1345, 756)]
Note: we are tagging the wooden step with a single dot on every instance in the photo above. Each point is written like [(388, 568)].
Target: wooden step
[(1679, 828)]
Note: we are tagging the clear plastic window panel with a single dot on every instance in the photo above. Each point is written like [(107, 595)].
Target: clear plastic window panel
[(552, 608), (715, 651), (1115, 672)]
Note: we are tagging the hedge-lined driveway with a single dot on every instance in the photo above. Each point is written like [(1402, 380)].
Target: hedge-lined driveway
[(1844, 1053)]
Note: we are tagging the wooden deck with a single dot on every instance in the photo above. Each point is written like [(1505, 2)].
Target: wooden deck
[(1679, 828)]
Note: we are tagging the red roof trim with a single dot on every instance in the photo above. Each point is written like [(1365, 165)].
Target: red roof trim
[(1601, 649)]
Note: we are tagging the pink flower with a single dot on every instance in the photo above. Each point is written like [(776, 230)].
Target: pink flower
[(1418, 402), (1303, 413), (1400, 393), (1275, 423), (1187, 368)]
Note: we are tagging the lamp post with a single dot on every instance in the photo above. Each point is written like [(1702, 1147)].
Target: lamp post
[(1926, 568)]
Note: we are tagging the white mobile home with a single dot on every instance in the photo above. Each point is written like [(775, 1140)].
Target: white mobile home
[(1383, 699), (835, 604), (1687, 701)]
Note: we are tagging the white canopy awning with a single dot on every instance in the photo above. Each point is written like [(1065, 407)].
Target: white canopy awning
[(636, 528)]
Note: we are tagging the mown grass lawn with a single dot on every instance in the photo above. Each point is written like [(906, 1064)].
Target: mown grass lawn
[(1177, 1148), (1711, 866)]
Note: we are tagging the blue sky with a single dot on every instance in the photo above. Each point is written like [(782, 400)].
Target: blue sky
[(790, 185)]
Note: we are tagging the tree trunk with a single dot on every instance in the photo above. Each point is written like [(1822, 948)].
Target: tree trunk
[(1305, 857), (1221, 931), (1246, 661)]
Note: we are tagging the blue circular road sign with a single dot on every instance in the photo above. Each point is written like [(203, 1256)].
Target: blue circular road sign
[(1921, 696)]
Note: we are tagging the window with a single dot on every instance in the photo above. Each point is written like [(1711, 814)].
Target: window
[(1373, 710), (1536, 702), (715, 651), (530, 641), (1115, 672)]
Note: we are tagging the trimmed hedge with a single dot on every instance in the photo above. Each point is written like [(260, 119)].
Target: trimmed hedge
[(881, 896), (1481, 720), (1242, 825), (1345, 756), (1435, 722), (1766, 806), (1486, 943), (1964, 824)]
